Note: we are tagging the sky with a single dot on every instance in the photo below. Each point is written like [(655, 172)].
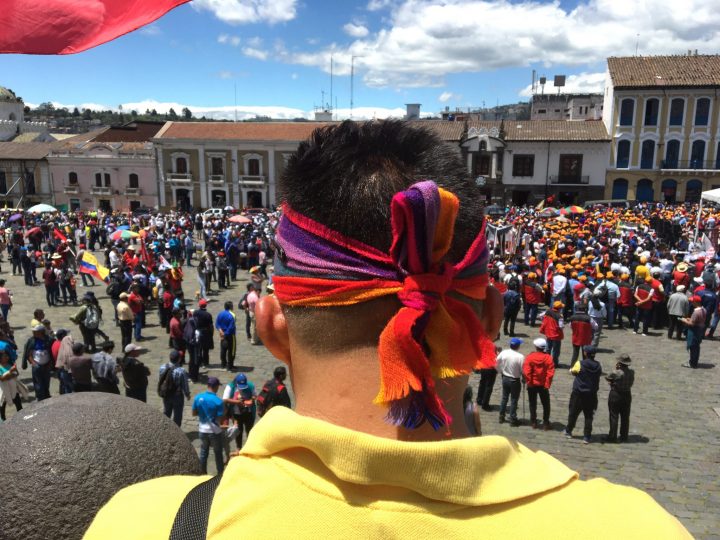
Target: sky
[(220, 58)]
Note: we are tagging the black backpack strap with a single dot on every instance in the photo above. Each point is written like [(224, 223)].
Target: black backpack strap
[(191, 520)]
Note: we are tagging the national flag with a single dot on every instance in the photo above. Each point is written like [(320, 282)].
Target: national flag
[(60, 236), (146, 255), (89, 265), (71, 26)]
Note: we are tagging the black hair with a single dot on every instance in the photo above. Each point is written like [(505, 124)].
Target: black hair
[(280, 372), (78, 348), (345, 175), (228, 305)]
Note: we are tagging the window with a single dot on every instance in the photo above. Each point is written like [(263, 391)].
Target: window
[(219, 198), (702, 112), (133, 181), (29, 183), (693, 190), (107, 179), (3, 183), (677, 109), (622, 160), (647, 155), (542, 111), (717, 157), (652, 106), (98, 179), (74, 204), (253, 166), (181, 165), (570, 168), (482, 165), (697, 155), (134, 205), (627, 110), (72, 179), (523, 165), (216, 166), (105, 205), (672, 154)]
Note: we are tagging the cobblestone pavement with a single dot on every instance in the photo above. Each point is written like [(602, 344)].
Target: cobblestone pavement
[(674, 447)]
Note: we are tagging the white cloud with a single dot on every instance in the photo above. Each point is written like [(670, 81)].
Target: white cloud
[(356, 30), (583, 83), (227, 39), (151, 30), (249, 11), (377, 5), (252, 52), (447, 96), (425, 40)]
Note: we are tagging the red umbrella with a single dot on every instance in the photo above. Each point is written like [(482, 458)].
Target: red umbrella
[(240, 219), (34, 230)]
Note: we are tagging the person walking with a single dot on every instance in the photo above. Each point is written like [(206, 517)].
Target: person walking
[(5, 300), (678, 307), (486, 384), (137, 305), (88, 318), (510, 365), (173, 388), (552, 328), (9, 388), (538, 371), (695, 325), (240, 396), (620, 398), (225, 325), (597, 312), (625, 302), (584, 393), (135, 373), (208, 407)]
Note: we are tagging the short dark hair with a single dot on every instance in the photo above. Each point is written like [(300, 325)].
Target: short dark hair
[(280, 372), (228, 305)]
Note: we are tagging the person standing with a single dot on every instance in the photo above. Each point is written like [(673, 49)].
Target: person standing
[(125, 319), (37, 354), (584, 393), (208, 407), (225, 325), (678, 308), (88, 318), (582, 332), (243, 304), (643, 305), (204, 327), (512, 303), (552, 328), (695, 331), (137, 305), (620, 398), (510, 365), (80, 367), (175, 390), (487, 383), (8, 384), (539, 370), (135, 373), (597, 312), (625, 301), (274, 392), (240, 396), (105, 369), (252, 300), (5, 300), (532, 293)]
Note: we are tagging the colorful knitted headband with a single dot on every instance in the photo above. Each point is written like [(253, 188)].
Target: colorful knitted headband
[(320, 267)]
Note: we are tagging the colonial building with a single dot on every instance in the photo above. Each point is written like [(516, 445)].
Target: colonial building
[(523, 162), (566, 107), (213, 164), (111, 168), (24, 175), (13, 126), (662, 113)]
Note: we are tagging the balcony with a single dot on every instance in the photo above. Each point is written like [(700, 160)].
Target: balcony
[(569, 180), (689, 165), (216, 178), (252, 181), (180, 178), (72, 189), (133, 191), (101, 190)]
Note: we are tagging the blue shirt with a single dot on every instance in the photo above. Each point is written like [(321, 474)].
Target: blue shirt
[(226, 322), (209, 408)]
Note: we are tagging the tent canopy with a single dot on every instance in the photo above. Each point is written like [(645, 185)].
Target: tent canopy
[(712, 195)]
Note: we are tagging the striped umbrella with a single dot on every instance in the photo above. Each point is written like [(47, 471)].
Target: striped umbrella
[(123, 235), (572, 210)]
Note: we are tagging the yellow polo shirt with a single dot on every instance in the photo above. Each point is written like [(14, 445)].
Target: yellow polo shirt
[(304, 478)]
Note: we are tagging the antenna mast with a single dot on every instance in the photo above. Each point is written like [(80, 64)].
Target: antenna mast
[(331, 81), (352, 84)]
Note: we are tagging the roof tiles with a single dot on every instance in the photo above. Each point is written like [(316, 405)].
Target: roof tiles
[(665, 71)]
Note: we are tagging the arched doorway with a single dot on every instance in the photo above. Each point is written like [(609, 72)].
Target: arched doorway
[(620, 189), (693, 190), (645, 191), (182, 200), (219, 198), (254, 199), (669, 190)]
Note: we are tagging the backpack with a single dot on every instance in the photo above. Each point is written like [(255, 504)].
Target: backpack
[(266, 398), (603, 293), (595, 301), (190, 331), (113, 289), (514, 283), (514, 303), (166, 385), (92, 317)]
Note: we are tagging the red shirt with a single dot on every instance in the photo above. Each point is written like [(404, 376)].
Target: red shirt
[(539, 369), (532, 293), (626, 295), (643, 292), (581, 330), (135, 302), (681, 278), (175, 328), (550, 326), (167, 299)]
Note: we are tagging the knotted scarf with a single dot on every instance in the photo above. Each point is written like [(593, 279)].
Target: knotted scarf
[(433, 334)]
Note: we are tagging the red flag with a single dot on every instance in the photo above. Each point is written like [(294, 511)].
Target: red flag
[(146, 255), (71, 26), (60, 236)]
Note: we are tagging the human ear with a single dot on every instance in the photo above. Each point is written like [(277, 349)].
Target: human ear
[(492, 313), (272, 327)]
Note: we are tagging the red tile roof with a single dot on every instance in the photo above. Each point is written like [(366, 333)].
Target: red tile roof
[(31, 150), (665, 71), (240, 131), (556, 130), (131, 132)]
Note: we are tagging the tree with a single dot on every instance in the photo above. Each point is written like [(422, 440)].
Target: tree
[(172, 115), (153, 113), (87, 114), (76, 112), (133, 113), (187, 114)]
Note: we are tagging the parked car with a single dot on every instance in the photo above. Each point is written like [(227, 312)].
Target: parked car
[(214, 212), (143, 211)]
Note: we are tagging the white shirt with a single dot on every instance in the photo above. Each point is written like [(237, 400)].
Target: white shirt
[(559, 282), (510, 363)]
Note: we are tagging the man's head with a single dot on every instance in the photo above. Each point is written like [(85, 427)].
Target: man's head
[(38, 314), (280, 373), (78, 348), (228, 306), (39, 330), (590, 351), (540, 344), (108, 346), (202, 304), (515, 343), (213, 383), (174, 356), (133, 350)]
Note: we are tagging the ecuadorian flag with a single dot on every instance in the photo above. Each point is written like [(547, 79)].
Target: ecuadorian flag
[(89, 265)]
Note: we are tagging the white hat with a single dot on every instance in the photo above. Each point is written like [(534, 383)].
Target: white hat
[(680, 288), (540, 343), (130, 347)]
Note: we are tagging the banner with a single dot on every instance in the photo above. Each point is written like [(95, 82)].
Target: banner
[(89, 265), (60, 236), (71, 26)]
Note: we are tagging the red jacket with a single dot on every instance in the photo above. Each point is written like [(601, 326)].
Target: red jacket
[(539, 369), (643, 292), (681, 278), (581, 329), (532, 293), (626, 295), (135, 302), (550, 326), (658, 295)]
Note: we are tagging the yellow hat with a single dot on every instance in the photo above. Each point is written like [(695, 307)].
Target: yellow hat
[(643, 260), (648, 279), (609, 275), (532, 275), (558, 304), (624, 276), (583, 278)]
